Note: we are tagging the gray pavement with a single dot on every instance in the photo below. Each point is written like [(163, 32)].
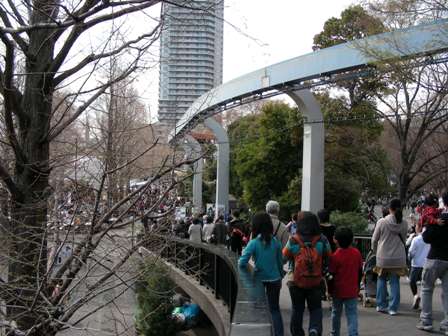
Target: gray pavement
[(117, 315), (370, 322)]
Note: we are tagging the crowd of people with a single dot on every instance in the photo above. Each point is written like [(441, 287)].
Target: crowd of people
[(318, 259)]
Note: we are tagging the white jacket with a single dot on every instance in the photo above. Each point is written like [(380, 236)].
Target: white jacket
[(418, 251)]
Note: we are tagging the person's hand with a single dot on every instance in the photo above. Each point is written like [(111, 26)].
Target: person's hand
[(440, 221)]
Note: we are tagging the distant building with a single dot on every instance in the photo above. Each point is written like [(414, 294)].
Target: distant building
[(191, 55)]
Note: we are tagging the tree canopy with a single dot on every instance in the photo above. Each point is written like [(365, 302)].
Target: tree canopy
[(267, 157), (355, 23), (265, 153)]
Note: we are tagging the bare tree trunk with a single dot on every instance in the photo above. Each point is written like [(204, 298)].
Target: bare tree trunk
[(28, 251), (403, 189), (110, 159)]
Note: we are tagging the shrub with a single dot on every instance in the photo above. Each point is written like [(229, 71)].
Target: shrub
[(154, 301), (353, 220)]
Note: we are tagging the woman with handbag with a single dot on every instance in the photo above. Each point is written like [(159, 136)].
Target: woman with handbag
[(388, 243)]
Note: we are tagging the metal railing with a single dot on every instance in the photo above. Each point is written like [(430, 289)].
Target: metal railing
[(216, 268), (363, 244)]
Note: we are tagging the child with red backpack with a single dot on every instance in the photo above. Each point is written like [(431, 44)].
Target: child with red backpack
[(309, 250)]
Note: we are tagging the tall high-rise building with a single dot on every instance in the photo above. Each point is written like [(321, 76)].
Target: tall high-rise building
[(190, 55)]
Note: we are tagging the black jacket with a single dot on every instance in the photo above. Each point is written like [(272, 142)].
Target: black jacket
[(437, 237)]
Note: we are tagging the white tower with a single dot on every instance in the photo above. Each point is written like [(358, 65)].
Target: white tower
[(190, 56)]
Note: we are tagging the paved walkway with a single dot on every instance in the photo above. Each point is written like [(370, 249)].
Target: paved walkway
[(370, 322)]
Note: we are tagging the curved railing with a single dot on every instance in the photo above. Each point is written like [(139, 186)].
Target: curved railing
[(216, 268)]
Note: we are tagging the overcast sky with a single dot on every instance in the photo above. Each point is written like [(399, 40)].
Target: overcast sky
[(272, 31), (258, 33)]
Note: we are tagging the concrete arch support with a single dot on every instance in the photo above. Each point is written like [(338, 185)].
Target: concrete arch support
[(222, 173), (313, 150), (194, 150)]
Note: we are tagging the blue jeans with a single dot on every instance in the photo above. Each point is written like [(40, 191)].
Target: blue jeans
[(312, 296), (351, 312), (273, 295), (394, 294)]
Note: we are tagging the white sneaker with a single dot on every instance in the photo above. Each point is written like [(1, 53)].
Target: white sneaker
[(313, 332), (416, 302), (423, 326), (381, 310), (392, 313)]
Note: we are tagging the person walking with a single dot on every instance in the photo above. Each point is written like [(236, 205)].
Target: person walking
[(436, 267), (326, 227), (291, 227), (207, 230), (266, 253), (195, 231), (280, 230), (219, 234), (309, 251), (418, 251), (346, 268), (388, 243), (236, 234)]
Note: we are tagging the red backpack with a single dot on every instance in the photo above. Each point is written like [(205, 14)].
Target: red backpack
[(307, 264)]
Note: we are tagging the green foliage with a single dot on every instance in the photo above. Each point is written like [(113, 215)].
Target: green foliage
[(353, 220), (353, 153), (154, 294), (354, 159), (209, 180), (267, 157), (241, 132), (290, 200), (185, 188), (354, 23), (209, 192), (342, 191), (266, 150)]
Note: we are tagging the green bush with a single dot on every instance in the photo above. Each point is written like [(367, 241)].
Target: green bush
[(353, 220), (154, 301)]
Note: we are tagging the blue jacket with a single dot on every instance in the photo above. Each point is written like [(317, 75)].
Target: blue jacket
[(268, 258)]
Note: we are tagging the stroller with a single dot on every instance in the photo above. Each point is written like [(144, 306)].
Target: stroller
[(369, 280)]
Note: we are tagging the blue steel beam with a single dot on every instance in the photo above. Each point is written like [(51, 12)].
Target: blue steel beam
[(419, 40)]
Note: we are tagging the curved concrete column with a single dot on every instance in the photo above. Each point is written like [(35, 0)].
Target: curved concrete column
[(313, 150), (193, 149), (222, 169)]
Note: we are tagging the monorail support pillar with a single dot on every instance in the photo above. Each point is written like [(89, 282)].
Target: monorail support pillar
[(222, 173), (193, 149), (313, 150)]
